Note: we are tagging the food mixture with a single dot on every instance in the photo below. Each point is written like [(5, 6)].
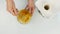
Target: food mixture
[(24, 16)]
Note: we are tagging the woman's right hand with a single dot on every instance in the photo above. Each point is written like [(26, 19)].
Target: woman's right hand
[(11, 7)]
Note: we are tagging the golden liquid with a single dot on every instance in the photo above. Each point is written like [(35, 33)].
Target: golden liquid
[(24, 16)]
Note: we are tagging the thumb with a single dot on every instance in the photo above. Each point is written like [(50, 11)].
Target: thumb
[(15, 11)]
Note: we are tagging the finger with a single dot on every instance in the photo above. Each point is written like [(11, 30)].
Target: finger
[(15, 11), (32, 10), (29, 10), (12, 12), (26, 7)]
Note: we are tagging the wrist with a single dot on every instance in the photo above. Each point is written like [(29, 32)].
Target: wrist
[(30, 0), (9, 0)]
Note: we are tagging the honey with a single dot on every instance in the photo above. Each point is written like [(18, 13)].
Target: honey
[(24, 16)]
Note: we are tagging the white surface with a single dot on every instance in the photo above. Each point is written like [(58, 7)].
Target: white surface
[(53, 6), (38, 24)]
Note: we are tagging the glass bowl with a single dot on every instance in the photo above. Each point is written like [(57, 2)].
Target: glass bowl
[(24, 16)]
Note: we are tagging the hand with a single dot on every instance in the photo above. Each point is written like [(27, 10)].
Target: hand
[(30, 6), (11, 7)]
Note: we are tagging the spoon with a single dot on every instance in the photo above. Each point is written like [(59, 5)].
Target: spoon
[(39, 12)]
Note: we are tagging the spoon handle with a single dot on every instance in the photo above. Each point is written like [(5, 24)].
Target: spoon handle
[(39, 12)]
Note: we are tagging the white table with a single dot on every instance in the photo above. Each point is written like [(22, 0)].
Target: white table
[(37, 25)]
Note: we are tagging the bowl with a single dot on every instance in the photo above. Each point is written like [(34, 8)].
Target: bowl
[(24, 16)]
